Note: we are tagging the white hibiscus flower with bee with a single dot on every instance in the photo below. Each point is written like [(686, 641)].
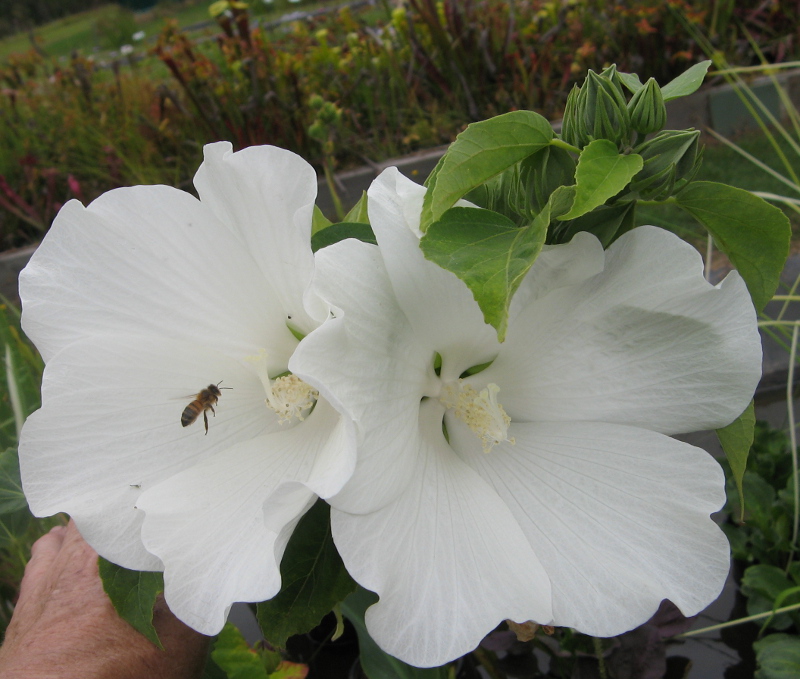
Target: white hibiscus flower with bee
[(152, 310)]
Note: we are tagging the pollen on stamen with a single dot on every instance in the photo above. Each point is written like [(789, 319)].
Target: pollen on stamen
[(290, 397), (480, 411), (286, 395)]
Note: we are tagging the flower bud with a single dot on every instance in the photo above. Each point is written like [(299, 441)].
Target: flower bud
[(648, 113), (613, 75), (543, 172), (601, 112), (570, 126), (670, 157)]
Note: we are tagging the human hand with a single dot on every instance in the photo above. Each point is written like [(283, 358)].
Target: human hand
[(65, 626)]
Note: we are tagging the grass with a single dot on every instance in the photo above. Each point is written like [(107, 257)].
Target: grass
[(60, 37), (79, 31)]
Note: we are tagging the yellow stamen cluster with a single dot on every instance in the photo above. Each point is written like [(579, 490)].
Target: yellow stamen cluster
[(479, 411), (291, 397), (287, 395)]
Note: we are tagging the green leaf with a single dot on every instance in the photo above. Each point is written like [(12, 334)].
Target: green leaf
[(12, 498), (751, 232), (760, 499), (358, 213), (319, 221), (289, 670), (545, 171), (606, 223), (342, 231), (212, 670), (376, 663), (780, 602), (13, 527), (631, 81), (235, 657), (687, 82), (314, 580), (480, 152), (133, 594), (763, 584), (736, 440), (488, 252), (778, 657), (601, 174), (431, 180)]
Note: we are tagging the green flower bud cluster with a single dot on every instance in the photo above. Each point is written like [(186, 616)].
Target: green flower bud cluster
[(599, 110), (671, 159), (545, 171)]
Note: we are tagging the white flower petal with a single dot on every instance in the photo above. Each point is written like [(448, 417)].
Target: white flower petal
[(265, 195), (648, 342), (110, 428), (439, 306), (108, 524), (558, 266), (148, 260), (216, 526), (373, 345), (447, 559), (618, 516)]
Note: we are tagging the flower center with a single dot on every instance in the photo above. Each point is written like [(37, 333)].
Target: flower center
[(287, 394), (290, 397), (480, 411)]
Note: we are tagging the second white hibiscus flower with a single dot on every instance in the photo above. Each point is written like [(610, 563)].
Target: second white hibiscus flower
[(545, 486)]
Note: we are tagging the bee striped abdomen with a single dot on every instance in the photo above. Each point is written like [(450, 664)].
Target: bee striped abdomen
[(191, 413), (203, 402)]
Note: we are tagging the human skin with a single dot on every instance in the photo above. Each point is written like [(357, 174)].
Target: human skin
[(65, 626)]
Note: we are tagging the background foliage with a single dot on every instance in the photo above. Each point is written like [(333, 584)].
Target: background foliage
[(342, 88)]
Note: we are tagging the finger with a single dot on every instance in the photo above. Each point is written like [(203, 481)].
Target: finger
[(47, 546), (36, 581), (76, 558), (43, 554)]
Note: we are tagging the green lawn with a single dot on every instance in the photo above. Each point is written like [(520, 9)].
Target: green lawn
[(59, 37), (79, 31)]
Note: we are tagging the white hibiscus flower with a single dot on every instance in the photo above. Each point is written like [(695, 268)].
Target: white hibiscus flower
[(545, 486), (143, 299)]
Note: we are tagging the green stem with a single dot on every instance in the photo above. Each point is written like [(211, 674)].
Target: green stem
[(331, 182), (793, 442), (601, 662), (666, 201), (739, 621), (560, 143)]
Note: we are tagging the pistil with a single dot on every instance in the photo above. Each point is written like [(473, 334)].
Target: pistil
[(287, 395), (480, 411)]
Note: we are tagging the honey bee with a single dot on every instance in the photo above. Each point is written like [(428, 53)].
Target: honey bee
[(203, 402)]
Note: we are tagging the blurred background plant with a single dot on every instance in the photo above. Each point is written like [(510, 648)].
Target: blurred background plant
[(20, 380), (403, 75)]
